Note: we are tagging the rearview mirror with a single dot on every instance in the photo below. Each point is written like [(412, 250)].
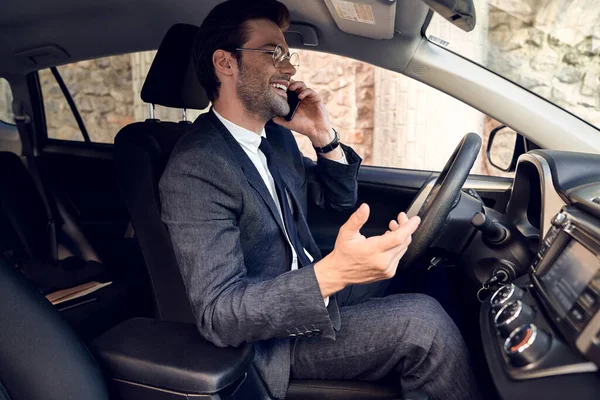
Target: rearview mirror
[(504, 147), (460, 13)]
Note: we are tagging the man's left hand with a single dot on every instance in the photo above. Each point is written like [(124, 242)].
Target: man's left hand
[(311, 118)]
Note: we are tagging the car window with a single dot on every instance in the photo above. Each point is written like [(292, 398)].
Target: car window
[(106, 92), (550, 47), (389, 119), (6, 114)]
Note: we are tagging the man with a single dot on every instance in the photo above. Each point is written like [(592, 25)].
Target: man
[(234, 198)]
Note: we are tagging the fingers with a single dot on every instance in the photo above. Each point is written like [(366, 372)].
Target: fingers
[(356, 221), (303, 91), (297, 86), (395, 255), (308, 94), (402, 219), (394, 238), (397, 258)]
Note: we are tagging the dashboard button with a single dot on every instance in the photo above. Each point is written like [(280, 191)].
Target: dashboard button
[(513, 315), (505, 295), (589, 300), (526, 345), (577, 315)]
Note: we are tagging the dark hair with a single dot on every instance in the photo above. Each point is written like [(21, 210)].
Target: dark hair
[(225, 28)]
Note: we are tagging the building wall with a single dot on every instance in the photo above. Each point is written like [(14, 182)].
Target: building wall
[(102, 92), (348, 89), (5, 102), (523, 50)]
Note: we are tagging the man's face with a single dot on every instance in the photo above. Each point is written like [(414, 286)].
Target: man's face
[(257, 78)]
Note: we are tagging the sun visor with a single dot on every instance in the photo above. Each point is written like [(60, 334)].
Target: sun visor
[(374, 19)]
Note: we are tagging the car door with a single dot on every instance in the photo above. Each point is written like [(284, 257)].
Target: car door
[(77, 154)]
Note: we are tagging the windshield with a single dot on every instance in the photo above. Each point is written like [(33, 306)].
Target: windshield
[(550, 47)]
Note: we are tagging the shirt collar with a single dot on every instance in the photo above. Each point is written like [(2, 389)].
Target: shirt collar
[(246, 138)]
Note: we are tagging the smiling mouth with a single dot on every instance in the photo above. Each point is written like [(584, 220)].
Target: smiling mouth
[(280, 88)]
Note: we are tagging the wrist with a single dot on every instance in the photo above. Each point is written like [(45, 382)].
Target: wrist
[(331, 148), (322, 138), (329, 280)]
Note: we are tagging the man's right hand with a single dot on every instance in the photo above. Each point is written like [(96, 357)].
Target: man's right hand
[(356, 259)]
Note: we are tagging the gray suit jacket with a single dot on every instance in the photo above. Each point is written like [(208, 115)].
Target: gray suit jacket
[(231, 247)]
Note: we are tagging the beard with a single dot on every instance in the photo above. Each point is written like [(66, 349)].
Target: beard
[(256, 95)]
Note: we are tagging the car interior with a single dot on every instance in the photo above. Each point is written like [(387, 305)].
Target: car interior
[(514, 261)]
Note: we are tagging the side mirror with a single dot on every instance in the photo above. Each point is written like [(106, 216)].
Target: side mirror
[(504, 148)]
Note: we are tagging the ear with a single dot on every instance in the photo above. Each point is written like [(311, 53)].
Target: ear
[(224, 63)]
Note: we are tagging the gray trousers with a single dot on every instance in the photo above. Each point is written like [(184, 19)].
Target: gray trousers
[(409, 335)]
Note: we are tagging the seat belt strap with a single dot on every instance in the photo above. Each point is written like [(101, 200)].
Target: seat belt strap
[(23, 122)]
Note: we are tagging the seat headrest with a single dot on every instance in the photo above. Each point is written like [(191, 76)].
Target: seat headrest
[(172, 80)]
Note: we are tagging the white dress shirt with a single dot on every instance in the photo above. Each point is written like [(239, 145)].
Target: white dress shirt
[(250, 143)]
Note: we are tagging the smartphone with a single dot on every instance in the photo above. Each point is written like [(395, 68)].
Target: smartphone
[(294, 102)]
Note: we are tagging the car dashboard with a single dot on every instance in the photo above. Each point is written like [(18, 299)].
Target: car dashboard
[(541, 332)]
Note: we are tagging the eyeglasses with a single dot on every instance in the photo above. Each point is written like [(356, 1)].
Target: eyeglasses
[(279, 56)]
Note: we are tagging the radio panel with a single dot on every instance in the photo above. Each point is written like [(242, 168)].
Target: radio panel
[(566, 274), (548, 323)]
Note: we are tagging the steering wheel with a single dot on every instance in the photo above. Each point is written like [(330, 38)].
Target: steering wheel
[(442, 198)]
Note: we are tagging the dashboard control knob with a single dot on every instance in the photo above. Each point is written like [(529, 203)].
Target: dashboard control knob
[(505, 295), (559, 219), (513, 315), (527, 344)]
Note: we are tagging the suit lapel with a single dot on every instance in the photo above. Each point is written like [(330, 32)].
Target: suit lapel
[(289, 175), (248, 168)]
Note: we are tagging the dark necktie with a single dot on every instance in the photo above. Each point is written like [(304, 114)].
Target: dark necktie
[(288, 217)]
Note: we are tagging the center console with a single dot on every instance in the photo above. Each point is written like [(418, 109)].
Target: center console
[(541, 334)]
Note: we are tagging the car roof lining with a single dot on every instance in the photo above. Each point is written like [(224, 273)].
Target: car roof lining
[(99, 28)]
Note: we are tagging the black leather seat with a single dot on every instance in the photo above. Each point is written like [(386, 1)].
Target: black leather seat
[(27, 240), (142, 150), (41, 357)]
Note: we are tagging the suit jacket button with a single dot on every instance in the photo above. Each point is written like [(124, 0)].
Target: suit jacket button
[(316, 331)]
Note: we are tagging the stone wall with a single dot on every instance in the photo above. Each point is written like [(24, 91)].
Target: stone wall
[(103, 93), (552, 49), (347, 88), (5, 102)]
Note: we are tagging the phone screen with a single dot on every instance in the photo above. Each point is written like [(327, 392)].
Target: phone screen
[(294, 102)]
